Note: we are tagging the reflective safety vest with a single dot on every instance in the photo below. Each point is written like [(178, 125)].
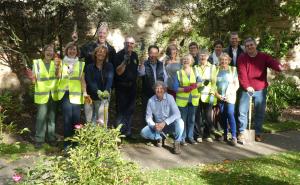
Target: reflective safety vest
[(71, 83), (207, 72), (46, 82), (182, 98)]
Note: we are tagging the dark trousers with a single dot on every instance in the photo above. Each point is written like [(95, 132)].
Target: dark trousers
[(204, 120), (125, 100), (145, 98), (71, 116)]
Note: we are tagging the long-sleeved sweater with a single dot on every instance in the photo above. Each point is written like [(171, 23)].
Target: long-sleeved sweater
[(252, 71)]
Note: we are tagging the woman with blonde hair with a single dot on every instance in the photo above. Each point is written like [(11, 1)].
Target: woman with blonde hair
[(227, 84), (186, 83)]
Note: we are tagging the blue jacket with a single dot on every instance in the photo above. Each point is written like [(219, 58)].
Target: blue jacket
[(98, 79)]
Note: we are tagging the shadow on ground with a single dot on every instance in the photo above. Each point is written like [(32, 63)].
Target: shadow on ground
[(150, 157)]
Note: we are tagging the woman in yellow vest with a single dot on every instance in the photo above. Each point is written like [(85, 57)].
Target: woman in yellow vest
[(187, 97), (204, 118), (45, 96), (227, 85), (71, 89)]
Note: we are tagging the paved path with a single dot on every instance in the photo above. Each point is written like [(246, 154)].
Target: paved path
[(161, 158)]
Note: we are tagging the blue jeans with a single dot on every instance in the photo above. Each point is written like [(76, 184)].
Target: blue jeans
[(188, 117), (175, 128), (71, 116), (259, 99), (45, 121), (227, 115)]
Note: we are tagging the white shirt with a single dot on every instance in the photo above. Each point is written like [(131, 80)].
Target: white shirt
[(234, 53)]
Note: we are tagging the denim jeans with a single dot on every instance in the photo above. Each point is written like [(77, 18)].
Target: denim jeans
[(227, 115), (188, 117), (259, 99), (175, 128), (96, 113), (45, 121), (71, 116)]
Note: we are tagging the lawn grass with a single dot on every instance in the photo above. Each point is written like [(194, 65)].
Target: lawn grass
[(271, 127), (17, 150), (275, 169)]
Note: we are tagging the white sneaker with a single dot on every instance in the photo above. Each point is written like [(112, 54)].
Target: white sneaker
[(209, 139), (199, 140)]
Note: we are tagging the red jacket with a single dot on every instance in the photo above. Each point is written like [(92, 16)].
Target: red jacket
[(252, 71)]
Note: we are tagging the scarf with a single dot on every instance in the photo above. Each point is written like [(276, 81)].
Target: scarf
[(70, 62)]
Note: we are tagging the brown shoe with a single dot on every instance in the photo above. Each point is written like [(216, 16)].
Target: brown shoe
[(176, 148), (258, 138)]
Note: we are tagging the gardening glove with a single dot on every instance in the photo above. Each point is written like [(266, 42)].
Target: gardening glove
[(105, 94), (250, 89), (206, 82), (193, 85), (187, 89), (126, 59), (100, 94)]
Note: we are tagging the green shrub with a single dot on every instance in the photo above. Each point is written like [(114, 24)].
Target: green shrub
[(11, 103), (95, 160), (282, 93)]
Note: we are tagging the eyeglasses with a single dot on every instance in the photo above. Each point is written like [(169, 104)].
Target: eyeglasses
[(130, 43), (248, 45)]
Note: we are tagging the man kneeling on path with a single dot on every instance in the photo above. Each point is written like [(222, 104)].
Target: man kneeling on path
[(162, 115)]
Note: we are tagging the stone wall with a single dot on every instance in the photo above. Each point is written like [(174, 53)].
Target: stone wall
[(151, 19)]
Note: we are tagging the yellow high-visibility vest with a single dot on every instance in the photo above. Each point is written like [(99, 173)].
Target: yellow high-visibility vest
[(72, 83), (182, 98), (46, 82), (207, 72)]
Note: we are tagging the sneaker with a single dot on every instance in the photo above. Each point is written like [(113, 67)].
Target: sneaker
[(233, 142), (241, 139), (158, 143), (258, 138), (199, 140), (209, 139), (192, 142), (183, 143), (176, 148)]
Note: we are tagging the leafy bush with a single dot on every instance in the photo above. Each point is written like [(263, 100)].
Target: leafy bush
[(95, 160), (283, 92), (11, 103)]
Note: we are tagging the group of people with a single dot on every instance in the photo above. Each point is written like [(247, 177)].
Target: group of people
[(200, 96)]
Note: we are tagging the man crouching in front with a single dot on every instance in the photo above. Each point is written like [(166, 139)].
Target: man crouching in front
[(163, 116)]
